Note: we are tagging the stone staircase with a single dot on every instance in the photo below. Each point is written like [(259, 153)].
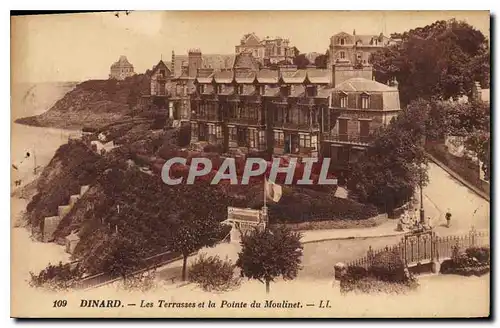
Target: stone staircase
[(51, 222)]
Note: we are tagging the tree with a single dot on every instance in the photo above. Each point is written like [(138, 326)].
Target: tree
[(471, 122), (321, 61), (192, 233), (268, 254), (440, 60), (395, 163), (301, 61)]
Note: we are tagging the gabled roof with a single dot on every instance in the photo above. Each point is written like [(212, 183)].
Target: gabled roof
[(318, 76), (122, 62), (250, 39), (205, 79), (246, 60), (361, 84), (161, 64), (293, 77), (267, 76), (224, 77), (245, 77)]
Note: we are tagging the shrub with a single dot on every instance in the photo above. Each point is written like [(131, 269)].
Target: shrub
[(217, 148), (144, 281), (213, 274), (57, 277), (482, 254), (356, 272), (475, 261), (184, 136), (388, 266)]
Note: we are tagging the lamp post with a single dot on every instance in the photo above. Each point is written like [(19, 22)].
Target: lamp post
[(422, 214)]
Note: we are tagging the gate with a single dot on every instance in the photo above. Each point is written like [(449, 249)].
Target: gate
[(419, 247)]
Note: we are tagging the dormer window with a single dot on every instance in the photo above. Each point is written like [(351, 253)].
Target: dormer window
[(312, 91), (343, 100), (285, 91), (342, 41), (202, 88), (240, 89), (365, 101), (219, 88), (262, 90), (162, 73)]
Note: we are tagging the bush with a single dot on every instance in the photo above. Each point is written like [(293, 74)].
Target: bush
[(482, 254), (475, 261), (57, 277), (213, 274), (217, 148), (388, 266), (144, 281), (184, 136)]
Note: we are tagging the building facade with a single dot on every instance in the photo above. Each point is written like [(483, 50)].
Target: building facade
[(295, 112), (356, 49), (121, 69), (266, 51)]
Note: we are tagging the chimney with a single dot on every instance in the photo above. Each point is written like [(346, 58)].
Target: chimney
[(476, 91), (354, 32), (184, 68), (172, 64)]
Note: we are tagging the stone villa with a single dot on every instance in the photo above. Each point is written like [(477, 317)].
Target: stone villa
[(121, 69)]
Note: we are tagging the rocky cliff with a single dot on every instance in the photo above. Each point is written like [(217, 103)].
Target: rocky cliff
[(93, 102)]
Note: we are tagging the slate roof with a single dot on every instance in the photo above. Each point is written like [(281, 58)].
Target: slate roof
[(267, 76), (291, 77), (247, 61), (319, 76), (224, 77), (122, 62), (245, 77), (361, 84), (161, 64)]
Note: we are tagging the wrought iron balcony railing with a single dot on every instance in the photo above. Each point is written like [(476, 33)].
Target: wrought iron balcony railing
[(348, 138)]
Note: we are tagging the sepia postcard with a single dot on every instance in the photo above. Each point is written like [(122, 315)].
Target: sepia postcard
[(250, 164)]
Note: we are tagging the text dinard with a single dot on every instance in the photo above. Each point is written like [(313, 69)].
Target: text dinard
[(224, 304)]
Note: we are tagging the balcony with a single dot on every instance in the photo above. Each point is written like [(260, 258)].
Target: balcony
[(354, 139), (210, 117), (297, 126), (309, 101), (244, 120)]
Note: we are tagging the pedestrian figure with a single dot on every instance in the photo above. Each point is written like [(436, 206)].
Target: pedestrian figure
[(448, 218), (429, 222)]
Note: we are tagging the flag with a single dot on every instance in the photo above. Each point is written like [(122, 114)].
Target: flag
[(273, 191)]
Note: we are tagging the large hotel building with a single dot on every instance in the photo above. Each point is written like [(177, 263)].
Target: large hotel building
[(296, 112)]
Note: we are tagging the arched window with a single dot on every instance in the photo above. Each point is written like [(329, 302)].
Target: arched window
[(342, 54)]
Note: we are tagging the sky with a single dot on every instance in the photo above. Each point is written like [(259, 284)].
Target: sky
[(78, 47)]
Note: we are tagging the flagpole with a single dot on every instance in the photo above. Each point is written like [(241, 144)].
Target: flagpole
[(265, 191)]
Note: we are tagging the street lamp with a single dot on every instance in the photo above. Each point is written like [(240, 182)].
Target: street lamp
[(422, 214)]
